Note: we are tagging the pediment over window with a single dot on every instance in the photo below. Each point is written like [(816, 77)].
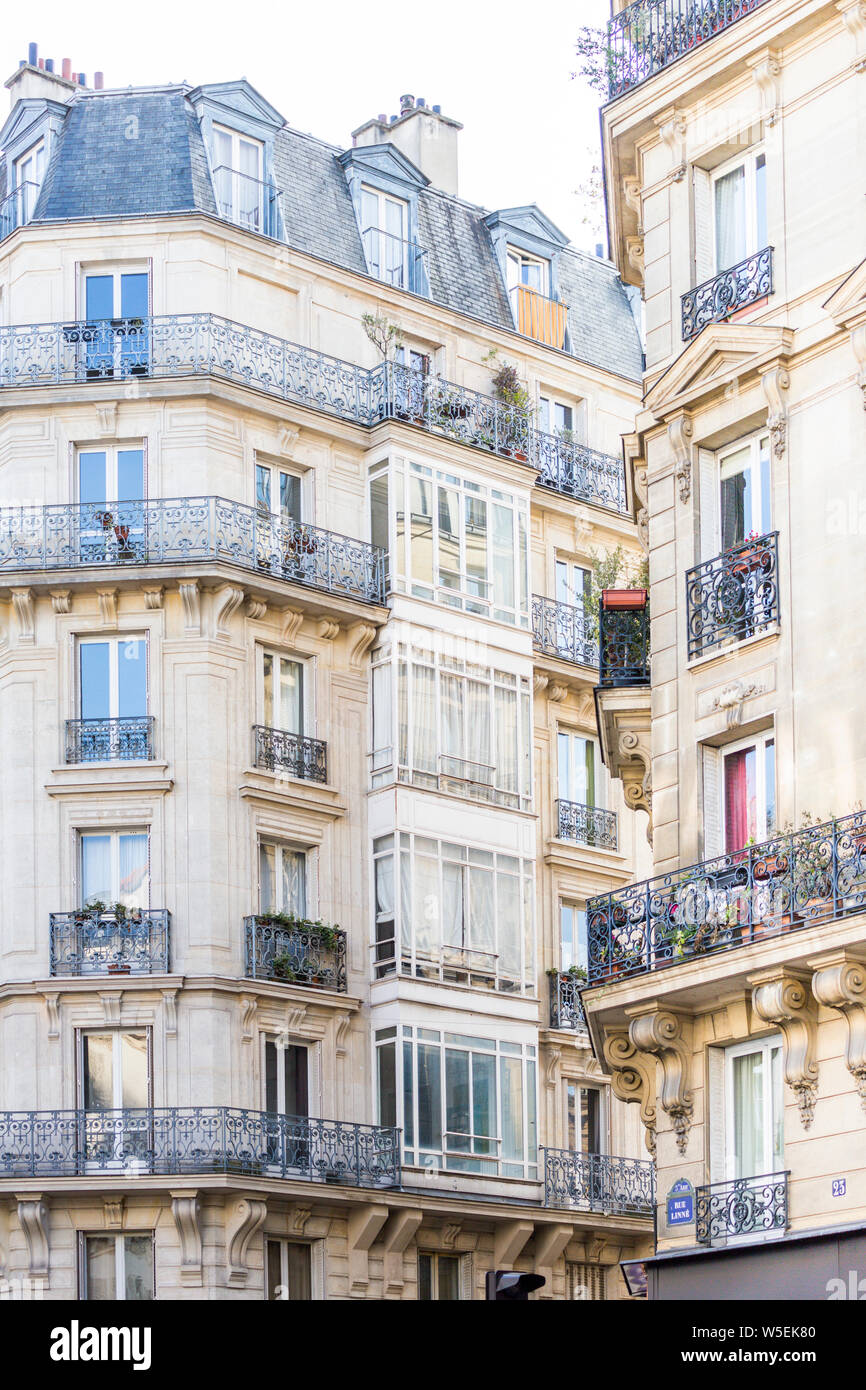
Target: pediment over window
[(238, 105), (383, 165), (30, 120), (720, 353), (528, 227), (848, 302)]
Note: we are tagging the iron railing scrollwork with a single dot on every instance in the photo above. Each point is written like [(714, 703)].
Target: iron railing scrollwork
[(301, 953), (648, 35), (16, 209), (598, 1182), (90, 942), (561, 629), (740, 1208), (791, 881), (578, 471), (624, 646), (276, 750), (566, 1009), (586, 825), (726, 293), (196, 1139), (110, 740), (733, 596)]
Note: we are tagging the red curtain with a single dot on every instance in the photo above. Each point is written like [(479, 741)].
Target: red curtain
[(736, 801)]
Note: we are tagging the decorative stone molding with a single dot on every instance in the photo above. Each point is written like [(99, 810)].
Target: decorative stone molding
[(632, 1081), (169, 1012), (111, 1008), (398, 1234), (364, 1225), (557, 693), (106, 419), (853, 14), (631, 188), (673, 128), (61, 601), (634, 248), (361, 638), (292, 620), (228, 601), (783, 999), (731, 699), (341, 1033), (509, 1240), (256, 609), (840, 983), (680, 432), (107, 607), (636, 773), (288, 438), (154, 598), (191, 595), (766, 71), (249, 1005), (33, 1220), (186, 1211), (25, 614), (52, 1004), (298, 1219), (551, 1070), (247, 1218), (327, 629), (112, 1209), (539, 684), (858, 343), (450, 1234), (776, 384), (641, 487), (660, 1033)]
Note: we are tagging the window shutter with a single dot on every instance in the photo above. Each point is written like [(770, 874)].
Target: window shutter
[(466, 1278), (703, 204), (712, 795), (708, 502), (716, 1112)]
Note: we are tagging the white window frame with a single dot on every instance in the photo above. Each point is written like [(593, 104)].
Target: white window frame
[(238, 178), (758, 445), (310, 1048), (766, 1046), (308, 680), (276, 469), (749, 162), (113, 833), (600, 792), (517, 260), (286, 847), (36, 153), (571, 905), (114, 644), (119, 1262), (116, 270), (759, 742), (111, 452)]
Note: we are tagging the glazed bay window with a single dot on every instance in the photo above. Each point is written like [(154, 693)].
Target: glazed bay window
[(117, 1267), (465, 1104), (461, 915), (459, 728), (454, 541)]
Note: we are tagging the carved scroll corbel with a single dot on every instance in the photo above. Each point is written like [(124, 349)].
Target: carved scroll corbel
[(785, 1001), (776, 385), (632, 1081), (33, 1220), (186, 1212), (660, 1033), (227, 603), (680, 433), (841, 985), (247, 1218)]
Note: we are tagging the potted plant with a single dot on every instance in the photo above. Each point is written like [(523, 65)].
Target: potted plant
[(748, 555), (117, 967), (281, 968)]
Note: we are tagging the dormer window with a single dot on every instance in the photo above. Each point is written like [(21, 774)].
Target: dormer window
[(240, 191), (385, 221), (536, 313), (531, 271), (28, 180)]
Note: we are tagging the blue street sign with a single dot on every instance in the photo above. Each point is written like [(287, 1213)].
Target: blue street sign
[(681, 1203)]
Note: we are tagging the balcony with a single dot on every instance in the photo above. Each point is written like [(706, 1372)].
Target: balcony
[(785, 884), (728, 293), (539, 317), (109, 740), (742, 1209), (295, 951), (279, 751), (184, 345), (734, 596), (248, 202), (561, 630), (650, 34), (624, 639), (16, 209), (586, 825), (598, 1182), (566, 1010), (195, 1140), (188, 529), (94, 942), (402, 264)]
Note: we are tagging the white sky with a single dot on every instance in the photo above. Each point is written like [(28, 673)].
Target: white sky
[(502, 68)]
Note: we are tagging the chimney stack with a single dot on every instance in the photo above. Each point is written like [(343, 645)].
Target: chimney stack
[(36, 78), (423, 135)]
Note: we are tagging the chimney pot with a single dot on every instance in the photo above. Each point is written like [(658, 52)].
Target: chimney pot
[(406, 103), (82, 79), (438, 110), (66, 68), (98, 80), (421, 103), (382, 118), (32, 54), (49, 64)]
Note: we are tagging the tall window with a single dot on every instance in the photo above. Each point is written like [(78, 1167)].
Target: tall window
[(283, 700), (573, 585), (282, 879), (438, 1277), (740, 209), (117, 1267), (745, 491), (465, 1103), (583, 1118), (115, 867), (29, 170), (112, 677), (286, 1078), (384, 227), (532, 271), (579, 769), (754, 1118), (749, 776), (114, 1070), (110, 475), (289, 1272), (238, 178), (278, 492), (116, 304), (572, 935), (464, 915)]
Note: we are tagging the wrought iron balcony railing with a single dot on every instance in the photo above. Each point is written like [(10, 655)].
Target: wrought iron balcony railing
[(624, 646), (561, 629), (586, 825), (279, 751), (179, 345), (182, 529), (16, 209), (733, 596), (741, 1208), (249, 202), (566, 1010), (402, 264), (196, 1139), (787, 883), (725, 294), (538, 316), (110, 740), (598, 1182), (89, 942), (649, 34), (296, 952)]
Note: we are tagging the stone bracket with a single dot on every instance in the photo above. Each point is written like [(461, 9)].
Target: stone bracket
[(187, 1218), (632, 1081), (840, 983), (364, 1225), (660, 1033), (247, 1218), (33, 1218), (399, 1231), (783, 999)]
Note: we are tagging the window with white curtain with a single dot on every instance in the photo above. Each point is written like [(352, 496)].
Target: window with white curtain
[(115, 867), (282, 879), (466, 1104), (460, 727), (29, 170), (754, 1108), (739, 209), (452, 912)]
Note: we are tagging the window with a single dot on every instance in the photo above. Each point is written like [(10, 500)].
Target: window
[(572, 936), (115, 868), (744, 492), (585, 1282), (114, 1086), (110, 475), (112, 686), (573, 585), (754, 1109), (282, 699), (579, 769), (28, 179), (286, 1068), (438, 1277), (289, 1276), (464, 915), (238, 178), (384, 227), (456, 542), (527, 270), (115, 339), (282, 879), (536, 313), (583, 1118), (461, 728), (566, 420), (739, 210), (117, 1267), (278, 492), (464, 1103), (749, 778)]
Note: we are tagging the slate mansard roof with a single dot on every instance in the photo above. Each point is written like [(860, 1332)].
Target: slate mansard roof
[(143, 152)]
